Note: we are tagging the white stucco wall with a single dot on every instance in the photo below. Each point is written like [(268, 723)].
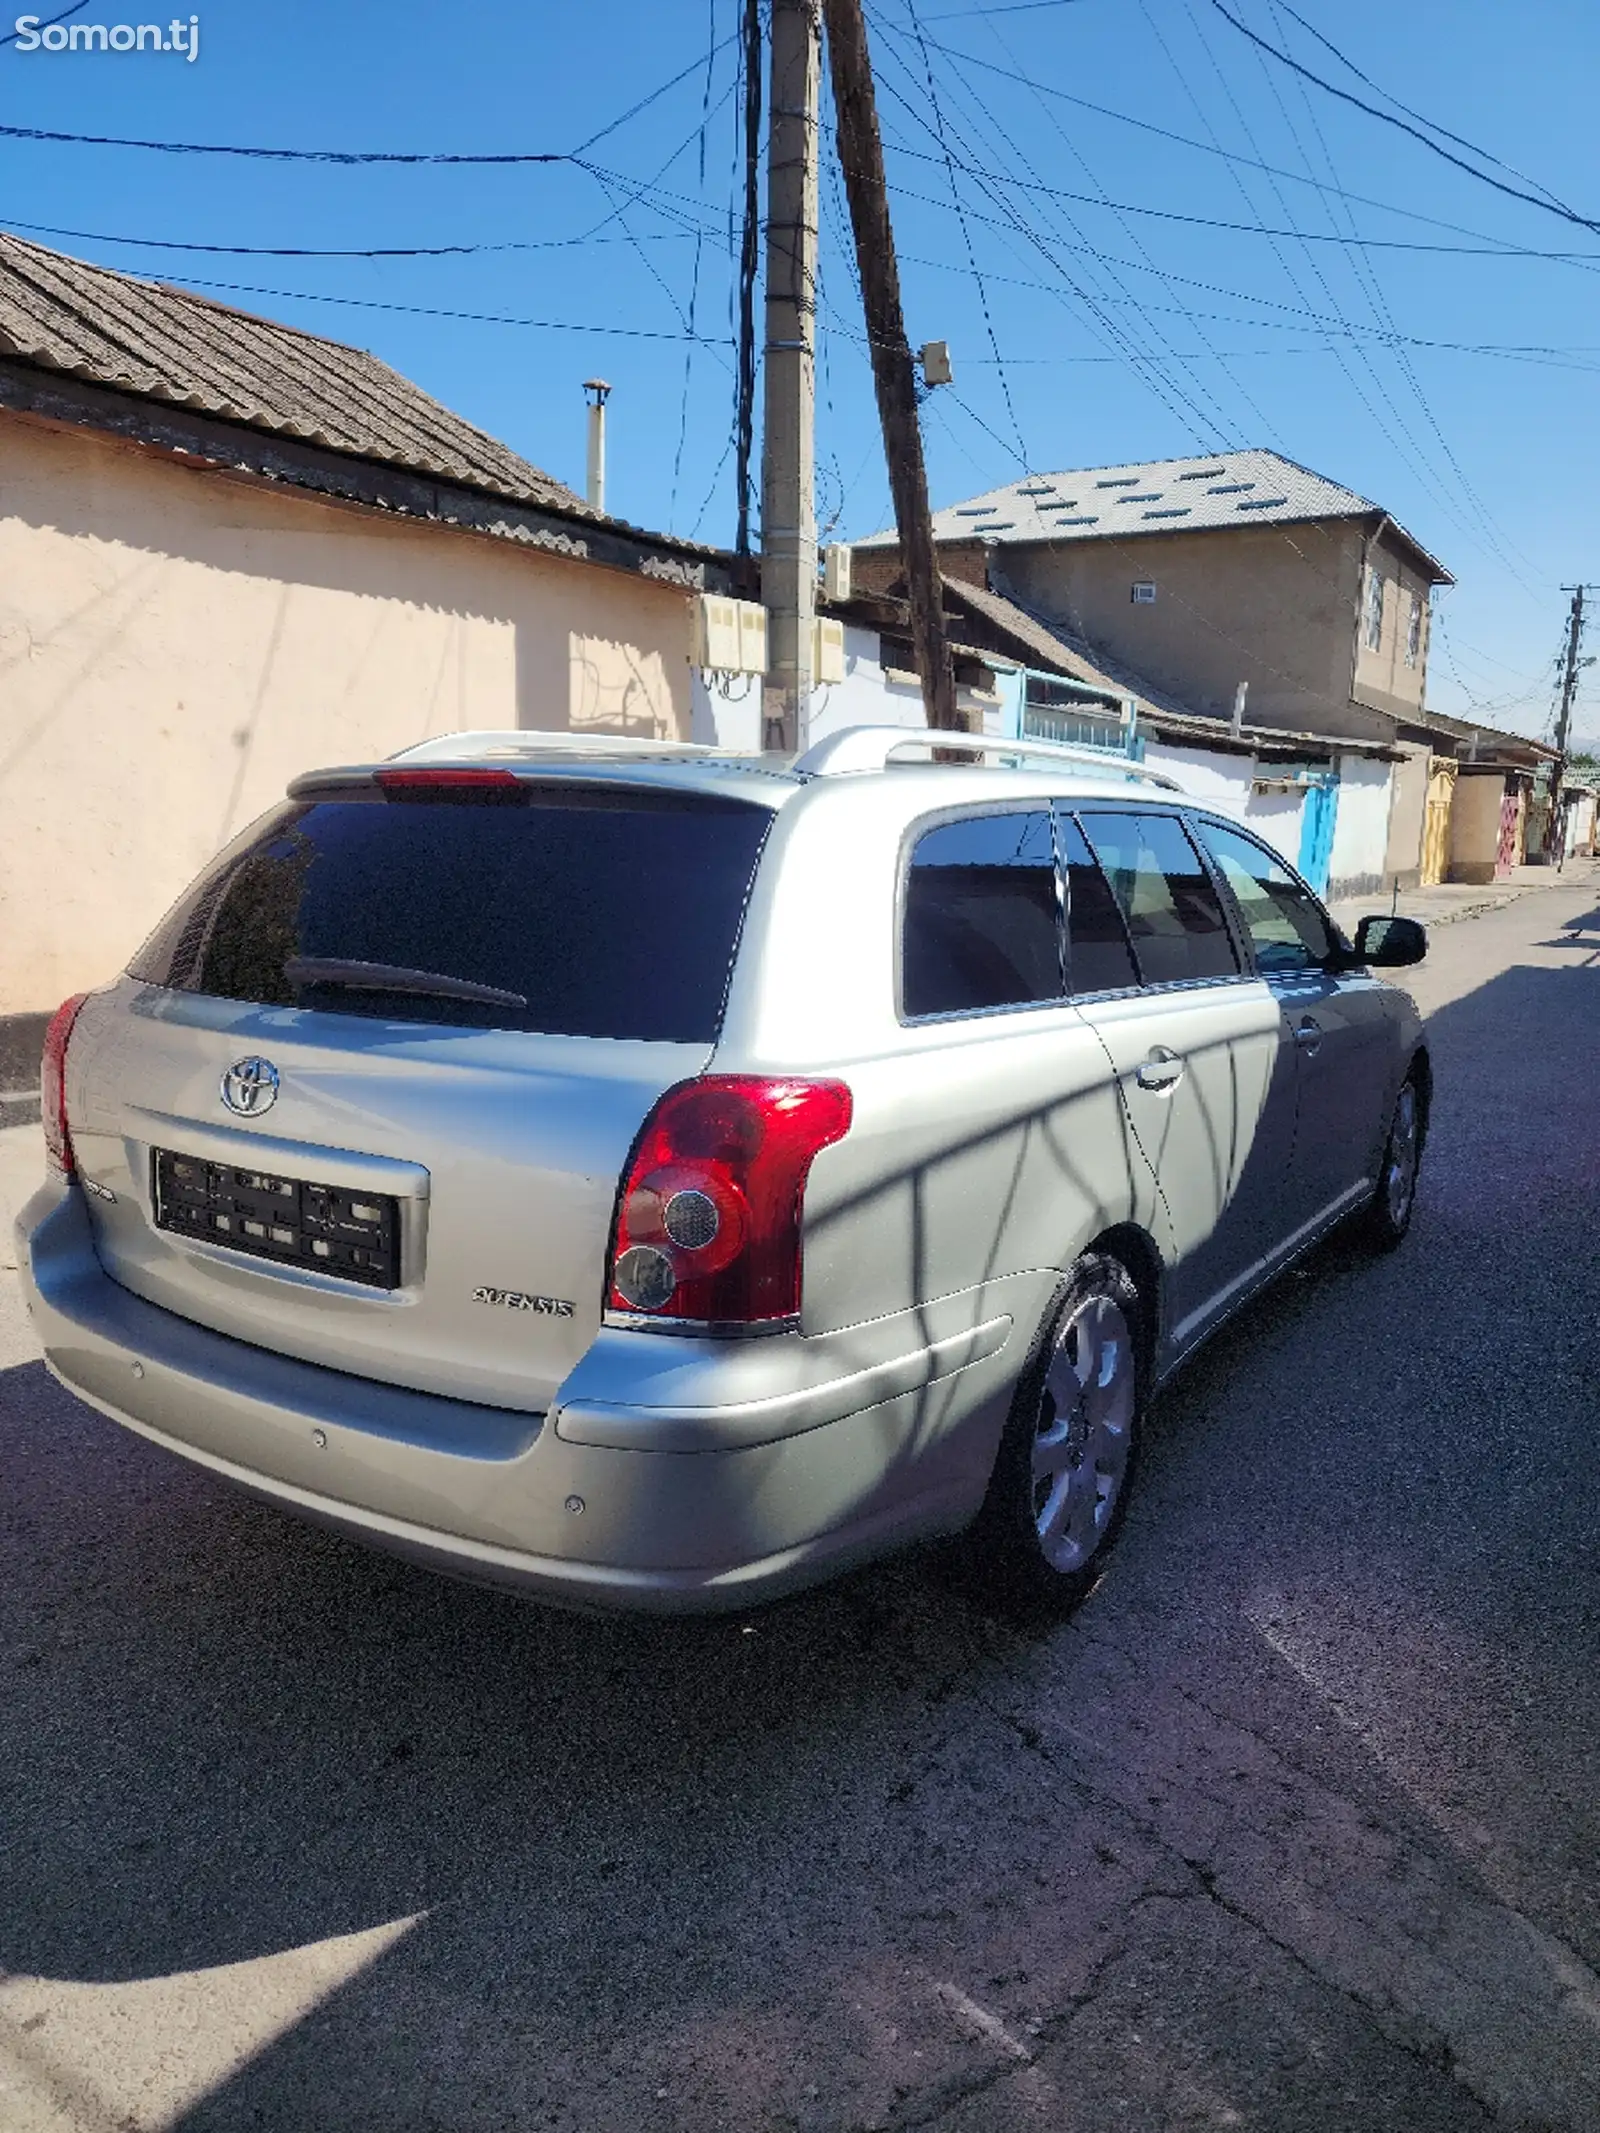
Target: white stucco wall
[(1275, 818), (1223, 782), (1361, 827), (726, 710), (175, 645)]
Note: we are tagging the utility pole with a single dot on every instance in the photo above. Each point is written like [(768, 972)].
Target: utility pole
[(861, 159), (1569, 689), (788, 443)]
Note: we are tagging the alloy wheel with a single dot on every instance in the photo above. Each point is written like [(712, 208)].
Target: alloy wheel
[(1085, 1432), (1400, 1163)]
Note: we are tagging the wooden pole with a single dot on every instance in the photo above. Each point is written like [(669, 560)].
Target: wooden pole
[(861, 160)]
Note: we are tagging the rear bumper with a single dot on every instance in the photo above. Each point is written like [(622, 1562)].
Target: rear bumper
[(502, 1496)]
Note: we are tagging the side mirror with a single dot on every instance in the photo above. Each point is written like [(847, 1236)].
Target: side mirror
[(1389, 943)]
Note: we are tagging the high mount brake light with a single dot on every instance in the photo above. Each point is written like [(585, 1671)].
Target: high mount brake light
[(708, 1221), (404, 781), (53, 1084)]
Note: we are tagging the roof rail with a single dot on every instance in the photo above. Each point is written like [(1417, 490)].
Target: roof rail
[(857, 748), (523, 741)]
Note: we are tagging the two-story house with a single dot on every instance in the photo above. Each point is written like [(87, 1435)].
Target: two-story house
[(1199, 579), (1202, 574)]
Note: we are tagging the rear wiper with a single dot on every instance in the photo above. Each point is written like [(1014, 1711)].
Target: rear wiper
[(392, 977)]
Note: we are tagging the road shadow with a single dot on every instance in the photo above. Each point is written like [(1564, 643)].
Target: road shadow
[(1337, 1689)]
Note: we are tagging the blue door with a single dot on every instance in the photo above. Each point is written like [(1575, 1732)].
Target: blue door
[(1316, 833)]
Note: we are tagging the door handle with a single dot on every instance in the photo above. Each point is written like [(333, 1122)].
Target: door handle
[(1308, 1035), (1160, 1071)]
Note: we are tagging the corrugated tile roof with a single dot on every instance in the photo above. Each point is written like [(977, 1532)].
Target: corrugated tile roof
[(172, 345), (1244, 488)]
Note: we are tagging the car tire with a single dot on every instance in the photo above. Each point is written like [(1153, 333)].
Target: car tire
[(1387, 1216), (1065, 1466)]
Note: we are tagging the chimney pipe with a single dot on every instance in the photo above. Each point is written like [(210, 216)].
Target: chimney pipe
[(596, 488), (1239, 696)]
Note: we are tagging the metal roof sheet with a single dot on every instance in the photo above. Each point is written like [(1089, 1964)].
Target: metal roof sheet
[(1244, 488), (170, 344)]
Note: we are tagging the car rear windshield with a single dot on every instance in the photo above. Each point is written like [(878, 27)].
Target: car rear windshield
[(605, 913)]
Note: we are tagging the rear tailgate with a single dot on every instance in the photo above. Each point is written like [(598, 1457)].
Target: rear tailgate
[(499, 1151), (286, 1136)]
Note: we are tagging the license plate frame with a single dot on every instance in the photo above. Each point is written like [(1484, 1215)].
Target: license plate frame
[(340, 1231)]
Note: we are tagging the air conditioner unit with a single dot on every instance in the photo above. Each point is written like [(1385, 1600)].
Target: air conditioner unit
[(827, 650)]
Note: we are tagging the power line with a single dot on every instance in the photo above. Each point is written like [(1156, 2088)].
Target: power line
[(1398, 431), (1249, 229), (1345, 61), (973, 170), (1316, 322), (694, 284), (1366, 274), (309, 251), (966, 228), (354, 156), (1142, 360), (1540, 199), (1228, 155), (1167, 283), (50, 22), (478, 318), (965, 14)]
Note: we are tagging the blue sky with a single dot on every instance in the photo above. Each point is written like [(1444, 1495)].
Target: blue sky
[(1122, 330)]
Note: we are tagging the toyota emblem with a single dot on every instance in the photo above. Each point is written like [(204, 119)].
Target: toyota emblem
[(250, 1087)]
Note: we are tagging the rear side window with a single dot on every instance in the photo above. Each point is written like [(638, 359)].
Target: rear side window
[(577, 913), (982, 916), (1173, 912), (1099, 958)]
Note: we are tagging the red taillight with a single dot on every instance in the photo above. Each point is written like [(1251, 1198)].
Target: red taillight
[(53, 1084), (419, 780), (708, 1223)]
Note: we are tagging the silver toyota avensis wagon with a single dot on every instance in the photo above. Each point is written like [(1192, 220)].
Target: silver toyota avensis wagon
[(661, 1179)]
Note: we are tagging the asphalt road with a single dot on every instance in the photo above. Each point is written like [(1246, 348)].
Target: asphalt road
[(1293, 1827)]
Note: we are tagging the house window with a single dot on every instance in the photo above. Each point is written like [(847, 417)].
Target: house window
[(1414, 631), (1374, 619), (1144, 593)]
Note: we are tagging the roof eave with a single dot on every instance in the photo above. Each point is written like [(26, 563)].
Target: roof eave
[(53, 394)]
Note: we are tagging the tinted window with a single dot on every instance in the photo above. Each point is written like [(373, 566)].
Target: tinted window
[(610, 914), (1285, 922), (983, 921), (1098, 956), (1173, 911)]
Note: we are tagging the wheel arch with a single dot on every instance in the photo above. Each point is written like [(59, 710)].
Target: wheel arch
[(1136, 1249), (1420, 1070)]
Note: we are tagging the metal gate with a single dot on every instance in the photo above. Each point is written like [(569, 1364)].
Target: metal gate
[(1436, 821)]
